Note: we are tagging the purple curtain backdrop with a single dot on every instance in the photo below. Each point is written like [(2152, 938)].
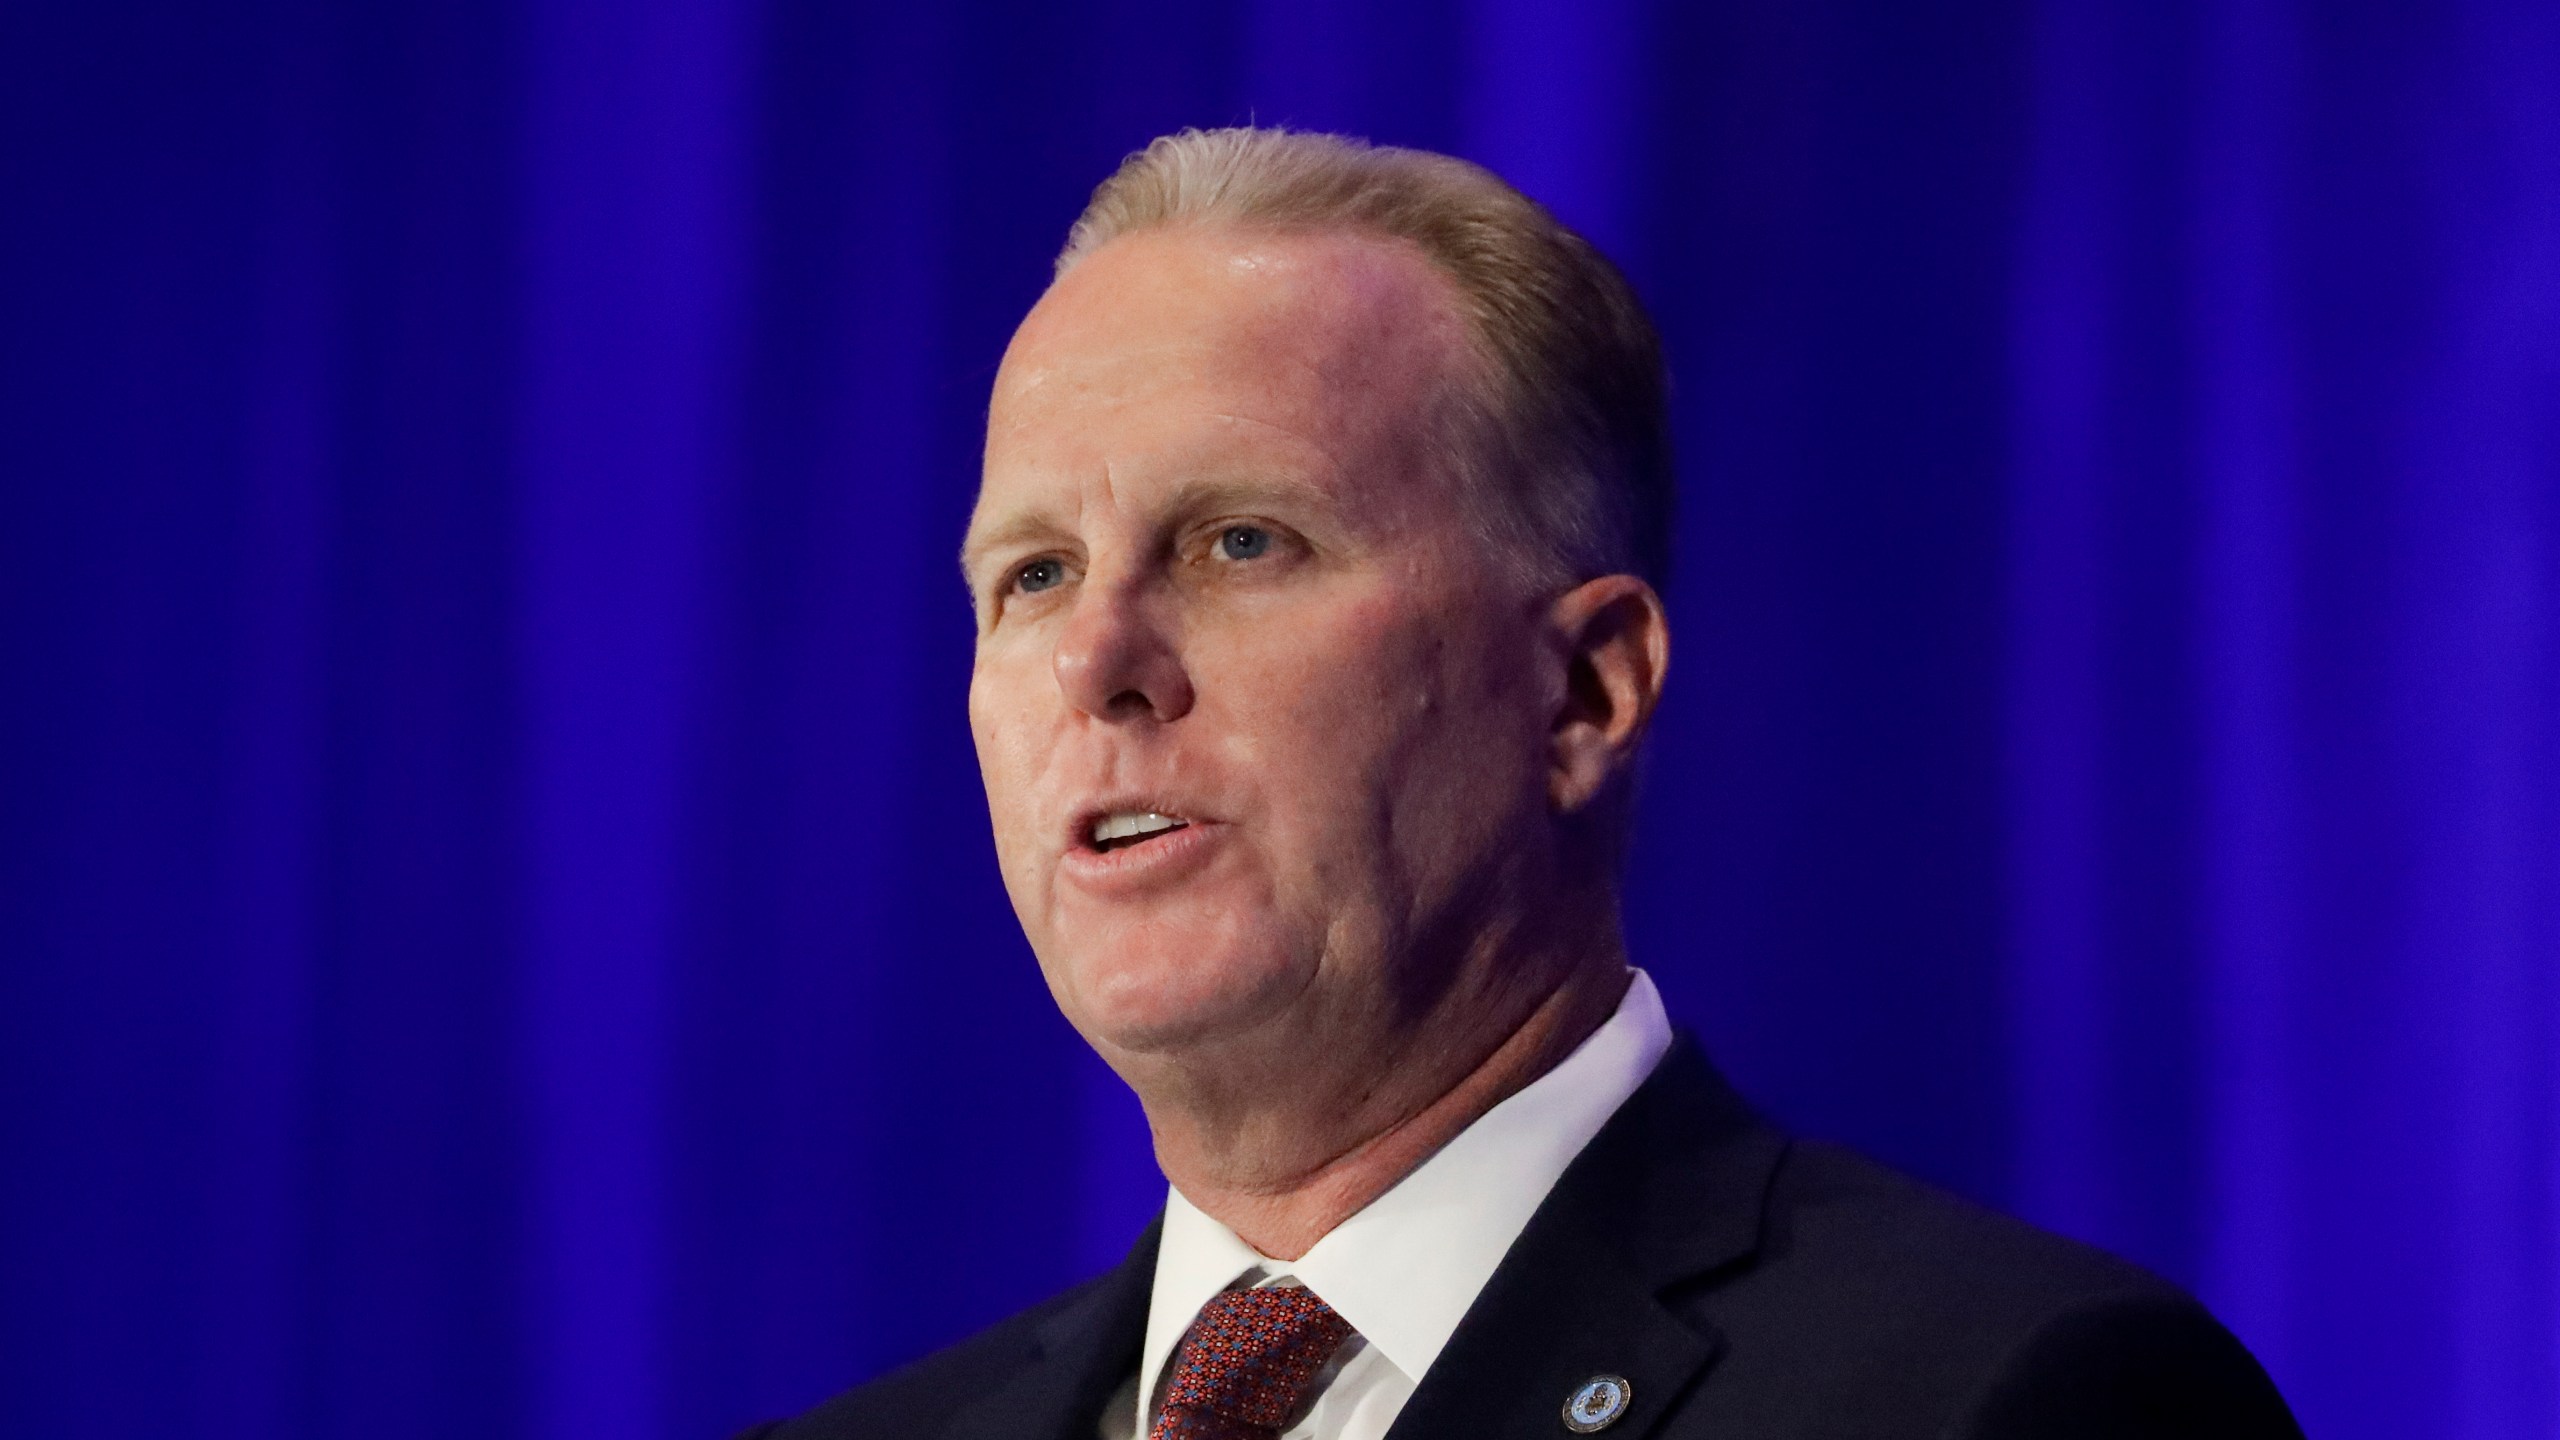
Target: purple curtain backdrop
[(497, 935)]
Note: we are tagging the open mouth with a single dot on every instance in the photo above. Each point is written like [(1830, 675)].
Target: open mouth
[(1124, 828)]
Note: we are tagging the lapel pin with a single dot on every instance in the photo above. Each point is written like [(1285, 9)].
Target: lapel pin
[(1597, 1404)]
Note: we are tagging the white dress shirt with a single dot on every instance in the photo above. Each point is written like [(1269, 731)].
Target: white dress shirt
[(1404, 1270)]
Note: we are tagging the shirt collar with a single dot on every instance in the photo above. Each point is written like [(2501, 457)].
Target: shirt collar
[(1404, 1270)]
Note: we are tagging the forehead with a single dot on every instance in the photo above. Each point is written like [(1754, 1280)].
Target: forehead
[(1171, 340)]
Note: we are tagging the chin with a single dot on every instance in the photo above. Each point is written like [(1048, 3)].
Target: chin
[(1163, 990)]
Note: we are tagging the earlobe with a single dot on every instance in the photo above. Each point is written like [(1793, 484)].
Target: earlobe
[(1615, 644)]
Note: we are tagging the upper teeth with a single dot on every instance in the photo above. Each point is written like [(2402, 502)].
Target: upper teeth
[(1126, 824)]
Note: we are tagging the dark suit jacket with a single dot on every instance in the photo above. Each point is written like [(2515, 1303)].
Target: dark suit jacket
[(1748, 1285)]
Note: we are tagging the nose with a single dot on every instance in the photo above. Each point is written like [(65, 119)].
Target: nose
[(1115, 659)]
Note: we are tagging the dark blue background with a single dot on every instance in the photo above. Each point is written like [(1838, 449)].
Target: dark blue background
[(497, 932)]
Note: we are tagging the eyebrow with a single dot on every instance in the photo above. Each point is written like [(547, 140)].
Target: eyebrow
[(1190, 501), (1196, 498), (1030, 525)]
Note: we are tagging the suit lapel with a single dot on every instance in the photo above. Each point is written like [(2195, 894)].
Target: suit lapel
[(1078, 1356), (1669, 1190)]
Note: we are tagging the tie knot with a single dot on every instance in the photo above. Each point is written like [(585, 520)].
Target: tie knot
[(1248, 1364)]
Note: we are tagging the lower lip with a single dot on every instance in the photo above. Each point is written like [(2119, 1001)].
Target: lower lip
[(1171, 856)]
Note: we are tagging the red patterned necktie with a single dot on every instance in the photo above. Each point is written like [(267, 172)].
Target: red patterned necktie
[(1248, 1364)]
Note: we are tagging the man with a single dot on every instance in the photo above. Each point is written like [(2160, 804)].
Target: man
[(1315, 561)]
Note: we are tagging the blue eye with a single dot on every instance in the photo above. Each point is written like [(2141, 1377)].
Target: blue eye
[(1244, 542), (1038, 575)]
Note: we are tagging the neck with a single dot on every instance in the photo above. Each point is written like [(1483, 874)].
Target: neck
[(1286, 1181)]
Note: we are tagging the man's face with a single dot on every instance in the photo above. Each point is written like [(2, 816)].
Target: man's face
[(1222, 583)]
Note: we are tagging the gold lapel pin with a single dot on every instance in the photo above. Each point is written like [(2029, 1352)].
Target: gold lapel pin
[(1597, 1404)]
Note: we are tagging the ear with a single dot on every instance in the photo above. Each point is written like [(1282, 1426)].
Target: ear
[(1615, 640)]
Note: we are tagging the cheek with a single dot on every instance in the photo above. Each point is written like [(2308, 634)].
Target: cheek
[(1312, 690), (1337, 710), (1446, 742), (1011, 733)]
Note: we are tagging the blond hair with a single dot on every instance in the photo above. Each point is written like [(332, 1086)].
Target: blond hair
[(1563, 436)]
